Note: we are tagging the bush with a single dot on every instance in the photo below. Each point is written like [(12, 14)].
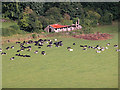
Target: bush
[(34, 35)]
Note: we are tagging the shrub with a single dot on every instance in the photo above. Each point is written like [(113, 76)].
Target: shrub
[(34, 35)]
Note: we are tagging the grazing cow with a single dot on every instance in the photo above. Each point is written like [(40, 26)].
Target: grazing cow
[(115, 45), (35, 44), (118, 50), (18, 50), (57, 45), (43, 53), (22, 49), (12, 47), (60, 41), (55, 39), (21, 44), (0, 50), (61, 44), (36, 51), (7, 48), (81, 46), (40, 40), (89, 46), (51, 42), (106, 47), (24, 42), (70, 49), (3, 53), (35, 41), (30, 41), (45, 40), (84, 48), (29, 49), (16, 54), (102, 49), (49, 46), (27, 56), (17, 42), (98, 51), (20, 55), (99, 48), (73, 43), (108, 44), (12, 58), (39, 47), (95, 48)]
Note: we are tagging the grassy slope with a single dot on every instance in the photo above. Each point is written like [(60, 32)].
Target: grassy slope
[(63, 69), (7, 24)]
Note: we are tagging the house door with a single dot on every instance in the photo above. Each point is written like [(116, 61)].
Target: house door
[(49, 29)]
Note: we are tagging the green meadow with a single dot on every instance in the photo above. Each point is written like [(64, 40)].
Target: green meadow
[(60, 68)]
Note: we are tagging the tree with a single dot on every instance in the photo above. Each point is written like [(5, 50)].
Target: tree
[(28, 21), (10, 10), (66, 16), (107, 18), (66, 20), (37, 7), (54, 14)]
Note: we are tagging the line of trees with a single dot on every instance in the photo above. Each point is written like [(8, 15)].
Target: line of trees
[(35, 16)]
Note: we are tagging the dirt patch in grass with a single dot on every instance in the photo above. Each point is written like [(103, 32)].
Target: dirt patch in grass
[(95, 36), (20, 38)]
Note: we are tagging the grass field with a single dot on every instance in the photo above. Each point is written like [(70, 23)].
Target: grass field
[(8, 24), (61, 68)]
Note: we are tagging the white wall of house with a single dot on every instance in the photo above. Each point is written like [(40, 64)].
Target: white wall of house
[(56, 30), (67, 29)]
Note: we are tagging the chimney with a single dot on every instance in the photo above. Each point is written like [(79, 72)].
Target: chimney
[(78, 21)]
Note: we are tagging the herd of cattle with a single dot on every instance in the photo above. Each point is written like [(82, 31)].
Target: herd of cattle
[(50, 43)]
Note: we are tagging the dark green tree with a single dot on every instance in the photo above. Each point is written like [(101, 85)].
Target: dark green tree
[(10, 10), (54, 14), (28, 21)]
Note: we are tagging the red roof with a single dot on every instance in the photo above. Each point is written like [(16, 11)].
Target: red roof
[(58, 26)]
